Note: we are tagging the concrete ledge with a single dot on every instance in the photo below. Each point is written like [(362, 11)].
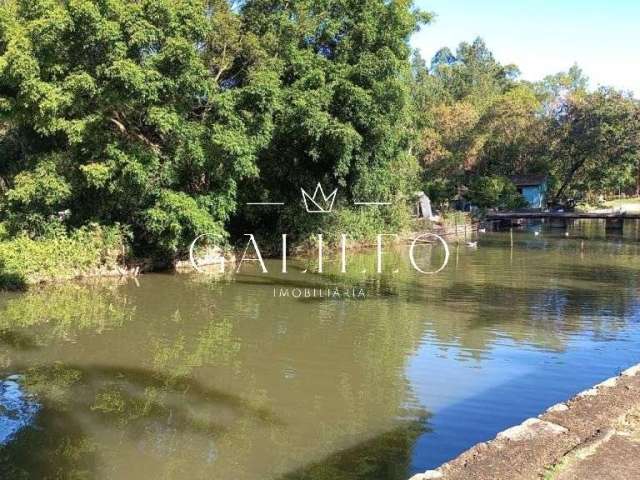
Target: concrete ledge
[(630, 372), (538, 446), (530, 429)]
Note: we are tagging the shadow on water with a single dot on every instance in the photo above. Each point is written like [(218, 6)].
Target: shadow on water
[(599, 274), (72, 396), (17, 340), (279, 281), (570, 300), (114, 390), (387, 456), (53, 447)]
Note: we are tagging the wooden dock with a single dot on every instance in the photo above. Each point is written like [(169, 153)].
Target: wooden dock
[(614, 220), (564, 215)]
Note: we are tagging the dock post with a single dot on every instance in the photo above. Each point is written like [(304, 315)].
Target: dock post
[(558, 223), (511, 250), (614, 223), (455, 222)]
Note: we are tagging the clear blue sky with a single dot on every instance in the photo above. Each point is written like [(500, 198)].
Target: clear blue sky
[(544, 36)]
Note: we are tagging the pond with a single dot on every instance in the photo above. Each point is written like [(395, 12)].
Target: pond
[(188, 376)]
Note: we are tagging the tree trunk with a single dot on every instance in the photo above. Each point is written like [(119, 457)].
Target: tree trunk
[(568, 179)]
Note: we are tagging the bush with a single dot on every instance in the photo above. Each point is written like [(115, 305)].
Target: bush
[(36, 198), (174, 222), (362, 225), (440, 190), (86, 251), (495, 192)]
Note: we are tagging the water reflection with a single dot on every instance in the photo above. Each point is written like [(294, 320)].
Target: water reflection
[(186, 377), (18, 408)]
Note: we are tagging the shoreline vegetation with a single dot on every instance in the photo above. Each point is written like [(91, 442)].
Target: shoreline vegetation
[(88, 252), (164, 120), (96, 252)]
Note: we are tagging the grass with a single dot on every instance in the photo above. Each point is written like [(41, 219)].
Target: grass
[(627, 204)]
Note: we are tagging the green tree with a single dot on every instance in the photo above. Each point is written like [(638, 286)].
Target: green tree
[(514, 134), (346, 114), (592, 135), (473, 72), (145, 113), (476, 118)]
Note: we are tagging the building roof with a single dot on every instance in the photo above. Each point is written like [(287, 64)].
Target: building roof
[(529, 180)]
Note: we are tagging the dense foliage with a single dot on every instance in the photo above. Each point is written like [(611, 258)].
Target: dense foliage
[(116, 111), (346, 113), (478, 119), (168, 116), (159, 114)]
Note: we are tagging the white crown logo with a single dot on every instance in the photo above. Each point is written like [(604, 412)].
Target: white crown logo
[(316, 204)]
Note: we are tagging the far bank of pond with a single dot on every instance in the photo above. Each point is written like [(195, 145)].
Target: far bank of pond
[(187, 376)]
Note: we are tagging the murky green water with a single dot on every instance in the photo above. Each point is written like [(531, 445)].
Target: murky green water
[(188, 378)]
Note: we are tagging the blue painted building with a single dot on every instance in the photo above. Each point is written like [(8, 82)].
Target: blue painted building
[(533, 188)]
